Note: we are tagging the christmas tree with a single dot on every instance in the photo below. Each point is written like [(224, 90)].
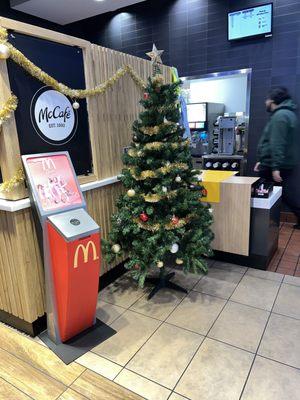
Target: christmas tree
[(160, 219)]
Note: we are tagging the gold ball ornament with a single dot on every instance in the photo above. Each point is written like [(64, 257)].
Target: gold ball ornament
[(116, 248), (4, 52), (131, 193), (75, 105), (179, 261), (160, 264)]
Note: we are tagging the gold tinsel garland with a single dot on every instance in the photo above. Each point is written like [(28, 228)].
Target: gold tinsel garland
[(19, 58), (154, 130), (154, 174), (155, 198), (156, 146), (169, 226), (16, 180), (9, 106)]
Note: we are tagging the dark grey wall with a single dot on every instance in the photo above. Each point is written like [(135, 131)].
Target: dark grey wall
[(193, 34)]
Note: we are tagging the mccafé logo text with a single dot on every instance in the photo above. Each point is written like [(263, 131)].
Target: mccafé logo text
[(52, 116), (85, 251), (47, 114)]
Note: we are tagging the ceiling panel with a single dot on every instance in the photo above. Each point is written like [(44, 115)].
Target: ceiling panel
[(67, 11)]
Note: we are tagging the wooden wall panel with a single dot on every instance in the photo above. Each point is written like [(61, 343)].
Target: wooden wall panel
[(113, 113)]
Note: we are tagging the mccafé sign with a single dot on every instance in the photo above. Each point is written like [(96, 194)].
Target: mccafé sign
[(83, 252), (53, 117)]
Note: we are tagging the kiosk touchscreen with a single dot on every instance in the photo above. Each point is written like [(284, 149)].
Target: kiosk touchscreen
[(71, 243)]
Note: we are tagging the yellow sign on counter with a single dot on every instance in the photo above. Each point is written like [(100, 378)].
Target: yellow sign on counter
[(211, 183)]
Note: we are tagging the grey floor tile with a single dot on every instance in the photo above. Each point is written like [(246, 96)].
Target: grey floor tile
[(107, 312), (142, 386), (240, 325), (272, 276), (175, 396), (256, 292), (133, 330), (100, 365), (187, 281), (281, 340), (230, 267), (217, 372), (270, 380), (197, 312), (219, 283), (123, 292), (292, 280), (166, 354), (288, 301), (160, 306)]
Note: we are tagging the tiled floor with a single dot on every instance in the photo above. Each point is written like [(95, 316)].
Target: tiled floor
[(287, 258), (234, 336)]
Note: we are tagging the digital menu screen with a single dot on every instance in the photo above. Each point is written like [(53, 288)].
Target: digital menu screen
[(250, 22), (196, 112)]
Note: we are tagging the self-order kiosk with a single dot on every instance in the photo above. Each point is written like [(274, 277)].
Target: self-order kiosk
[(71, 244)]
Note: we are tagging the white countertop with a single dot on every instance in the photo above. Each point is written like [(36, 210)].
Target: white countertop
[(16, 205), (267, 203)]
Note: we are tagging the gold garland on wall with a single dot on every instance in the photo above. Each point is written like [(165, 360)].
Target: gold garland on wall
[(19, 58), (16, 180), (11, 104)]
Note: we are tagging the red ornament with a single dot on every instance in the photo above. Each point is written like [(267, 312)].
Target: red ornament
[(174, 220), (146, 96), (144, 217), (204, 192)]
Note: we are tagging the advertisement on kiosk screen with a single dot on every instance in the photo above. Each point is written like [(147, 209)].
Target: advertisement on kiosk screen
[(54, 182)]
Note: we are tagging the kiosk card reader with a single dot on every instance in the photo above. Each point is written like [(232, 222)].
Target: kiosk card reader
[(71, 245)]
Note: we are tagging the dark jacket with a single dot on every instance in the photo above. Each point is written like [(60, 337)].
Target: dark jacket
[(279, 145)]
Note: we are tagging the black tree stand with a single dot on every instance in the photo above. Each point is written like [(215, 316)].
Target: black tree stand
[(163, 281)]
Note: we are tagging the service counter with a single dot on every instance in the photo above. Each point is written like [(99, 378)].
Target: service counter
[(246, 229)]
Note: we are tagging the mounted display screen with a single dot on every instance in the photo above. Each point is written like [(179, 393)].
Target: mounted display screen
[(196, 112), (45, 118), (250, 22)]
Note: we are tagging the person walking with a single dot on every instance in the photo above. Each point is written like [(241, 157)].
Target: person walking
[(278, 153)]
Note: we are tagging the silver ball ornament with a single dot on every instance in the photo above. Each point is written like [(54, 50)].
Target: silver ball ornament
[(164, 189), (179, 261), (160, 264), (75, 105), (174, 248), (178, 179), (4, 52)]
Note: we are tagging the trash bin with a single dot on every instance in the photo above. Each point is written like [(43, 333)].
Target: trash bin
[(74, 258)]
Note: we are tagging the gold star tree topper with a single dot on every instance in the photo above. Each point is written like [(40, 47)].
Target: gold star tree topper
[(155, 55)]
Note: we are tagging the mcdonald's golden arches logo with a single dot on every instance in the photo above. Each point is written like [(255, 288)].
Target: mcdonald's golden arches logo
[(85, 251)]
